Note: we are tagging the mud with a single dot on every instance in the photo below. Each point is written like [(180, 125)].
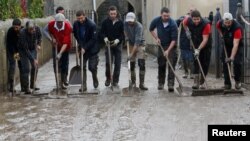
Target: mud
[(151, 116)]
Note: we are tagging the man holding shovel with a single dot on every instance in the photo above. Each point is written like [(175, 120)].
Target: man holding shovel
[(198, 30), (231, 32), (166, 37), (60, 32), (134, 35), (12, 51), (84, 31), (29, 43), (112, 32)]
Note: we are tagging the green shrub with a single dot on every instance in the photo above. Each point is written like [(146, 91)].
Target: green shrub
[(4, 9), (35, 9)]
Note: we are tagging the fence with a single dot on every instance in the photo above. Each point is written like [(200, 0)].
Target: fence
[(246, 57)]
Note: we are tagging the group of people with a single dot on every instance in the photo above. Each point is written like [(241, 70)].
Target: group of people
[(195, 44)]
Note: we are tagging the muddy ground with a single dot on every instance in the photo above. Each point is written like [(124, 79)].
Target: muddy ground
[(150, 116)]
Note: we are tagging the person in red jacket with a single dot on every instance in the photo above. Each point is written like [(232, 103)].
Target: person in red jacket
[(60, 32), (198, 30), (232, 36)]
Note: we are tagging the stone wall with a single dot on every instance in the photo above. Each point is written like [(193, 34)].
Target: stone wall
[(44, 55)]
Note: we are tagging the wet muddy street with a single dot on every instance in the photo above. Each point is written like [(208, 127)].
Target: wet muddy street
[(150, 116)]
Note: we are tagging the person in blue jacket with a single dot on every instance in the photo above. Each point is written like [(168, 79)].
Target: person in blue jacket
[(84, 31), (166, 36)]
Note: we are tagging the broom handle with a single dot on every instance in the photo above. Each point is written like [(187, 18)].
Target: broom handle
[(57, 81), (77, 54), (170, 65), (110, 65), (129, 72), (199, 63), (82, 70), (228, 67)]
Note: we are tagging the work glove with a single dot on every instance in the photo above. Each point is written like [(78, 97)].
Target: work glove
[(106, 41), (16, 56), (196, 53), (228, 60), (59, 55), (188, 34), (116, 42)]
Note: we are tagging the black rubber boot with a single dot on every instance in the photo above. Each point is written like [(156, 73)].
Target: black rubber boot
[(142, 78), (95, 79), (84, 82), (63, 87), (133, 74), (196, 81)]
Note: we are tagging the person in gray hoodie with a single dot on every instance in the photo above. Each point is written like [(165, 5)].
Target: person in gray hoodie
[(134, 35)]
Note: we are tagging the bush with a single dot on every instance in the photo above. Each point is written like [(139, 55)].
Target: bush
[(13, 9), (4, 9), (35, 9)]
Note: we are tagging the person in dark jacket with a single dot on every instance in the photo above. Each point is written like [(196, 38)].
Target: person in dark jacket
[(200, 33), (84, 31), (186, 50), (166, 36), (12, 51), (232, 36), (113, 34), (29, 44)]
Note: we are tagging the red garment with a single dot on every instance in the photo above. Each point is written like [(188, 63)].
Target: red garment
[(237, 33), (63, 36), (206, 30)]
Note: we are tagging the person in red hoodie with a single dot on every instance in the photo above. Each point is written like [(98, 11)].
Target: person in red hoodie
[(60, 32)]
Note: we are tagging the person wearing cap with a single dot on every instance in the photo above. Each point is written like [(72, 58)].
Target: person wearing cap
[(198, 30), (134, 35), (232, 38), (112, 32), (60, 32), (84, 30), (29, 44), (166, 37), (12, 51)]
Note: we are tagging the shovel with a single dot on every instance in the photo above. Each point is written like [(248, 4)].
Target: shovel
[(129, 91), (180, 89), (75, 72)]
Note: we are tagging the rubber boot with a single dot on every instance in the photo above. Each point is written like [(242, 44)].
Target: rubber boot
[(11, 86), (133, 74), (84, 82), (32, 82), (196, 81), (66, 83), (202, 83), (161, 79), (185, 64), (63, 80), (142, 78), (95, 79)]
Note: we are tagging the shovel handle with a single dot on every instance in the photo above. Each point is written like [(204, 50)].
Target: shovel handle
[(199, 63), (228, 66), (172, 68), (77, 54)]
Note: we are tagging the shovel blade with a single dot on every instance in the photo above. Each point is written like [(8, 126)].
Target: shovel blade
[(130, 91), (75, 76), (184, 91)]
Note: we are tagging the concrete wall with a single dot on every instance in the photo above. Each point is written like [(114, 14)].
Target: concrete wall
[(177, 8), (44, 55)]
